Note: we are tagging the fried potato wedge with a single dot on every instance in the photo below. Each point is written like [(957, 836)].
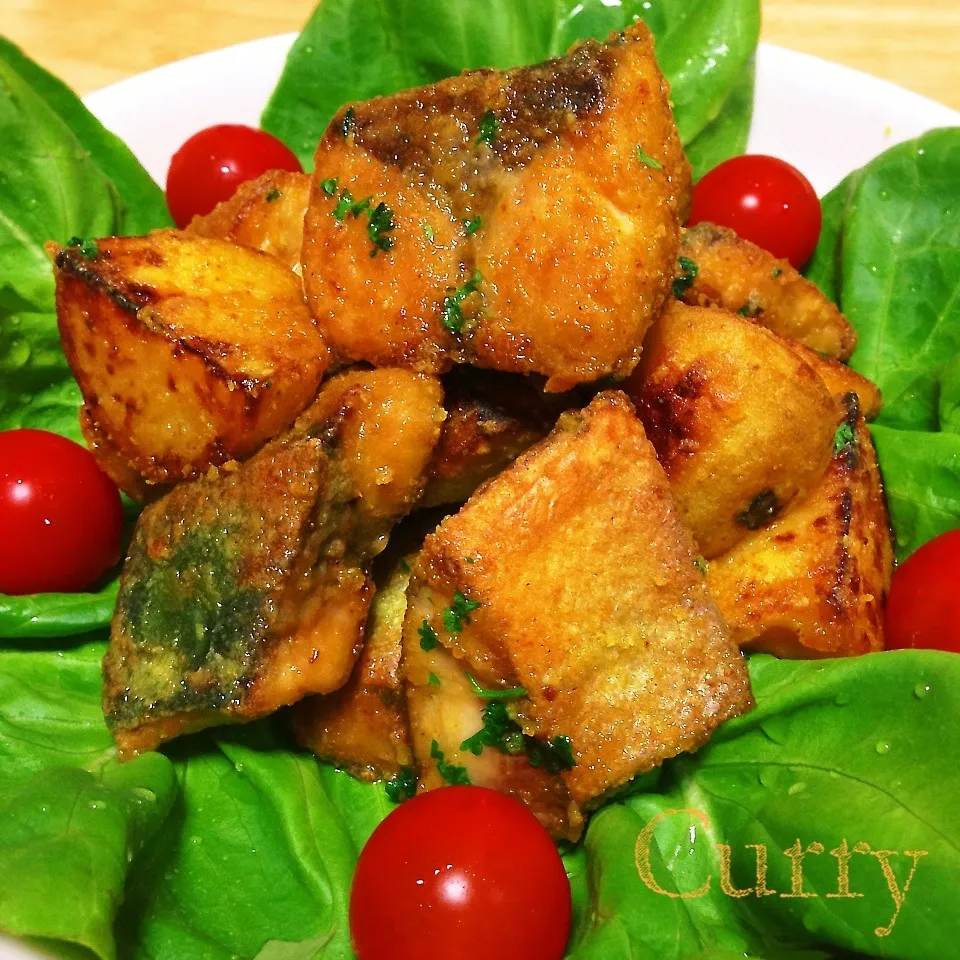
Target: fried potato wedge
[(571, 575), (190, 352), (740, 422), (363, 726), (841, 380), (248, 589), (266, 214), (814, 583), (445, 713), (507, 220), (718, 269)]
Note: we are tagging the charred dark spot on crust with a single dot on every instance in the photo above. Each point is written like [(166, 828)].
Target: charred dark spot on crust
[(762, 509), (669, 413), (131, 298), (844, 583), (850, 448), (787, 537)]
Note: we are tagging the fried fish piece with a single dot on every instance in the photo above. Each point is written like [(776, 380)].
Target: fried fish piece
[(814, 583), (363, 726), (741, 424), (266, 214), (189, 352), (525, 221), (248, 589), (571, 575), (718, 269)]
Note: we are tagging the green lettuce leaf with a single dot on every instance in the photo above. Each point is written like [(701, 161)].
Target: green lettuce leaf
[(356, 49), (71, 818), (52, 615)]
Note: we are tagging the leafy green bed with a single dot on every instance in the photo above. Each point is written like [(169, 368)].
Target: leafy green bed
[(234, 845)]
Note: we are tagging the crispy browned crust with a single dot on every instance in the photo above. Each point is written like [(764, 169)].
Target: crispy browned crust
[(814, 583), (363, 726), (841, 380), (266, 214), (590, 598), (189, 352), (577, 239), (741, 424), (742, 278), (248, 589)]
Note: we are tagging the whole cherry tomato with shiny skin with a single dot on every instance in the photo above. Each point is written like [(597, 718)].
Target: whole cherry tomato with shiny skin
[(61, 519), (764, 200), (923, 610), (460, 873), (210, 166)]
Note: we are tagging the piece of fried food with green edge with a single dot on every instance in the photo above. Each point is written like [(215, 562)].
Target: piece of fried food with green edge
[(571, 574), (189, 352), (814, 583), (248, 589), (718, 269), (363, 726), (266, 214), (525, 221), (740, 422)]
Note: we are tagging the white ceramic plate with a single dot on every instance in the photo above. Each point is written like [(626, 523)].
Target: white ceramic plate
[(824, 118)]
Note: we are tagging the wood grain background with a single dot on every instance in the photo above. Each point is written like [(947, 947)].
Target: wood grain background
[(912, 42)]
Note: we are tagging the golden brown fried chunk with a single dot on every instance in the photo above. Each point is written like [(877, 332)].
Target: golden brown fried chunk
[(189, 352), (740, 423), (491, 419), (266, 214), (248, 589), (363, 726), (571, 574), (509, 220), (741, 277), (841, 380), (814, 583)]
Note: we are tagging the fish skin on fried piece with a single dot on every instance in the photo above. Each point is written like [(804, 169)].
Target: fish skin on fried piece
[(248, 589), (525, 221)]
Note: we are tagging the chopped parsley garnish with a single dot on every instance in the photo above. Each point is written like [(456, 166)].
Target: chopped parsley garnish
[(750, 309), (87, 249), (843, 438), (402, 786), (763, 508), (329, 186), (502, 732), (451, 315), (469, 559), (458, 612), (647, 160), (688, 274), (453, 774), (428, 232), (489, 129), (511, 693), (776, 272), (433, 680), (404, 566), (380, 217), (472, 226), (273, 195), (701, 565), (347, 123), (428, 637)]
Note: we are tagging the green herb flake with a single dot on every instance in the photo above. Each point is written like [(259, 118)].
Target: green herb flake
[(844, 438), (273, 196), (489, 129), (750, 309), (776, 272), (555, 754), (701, 565), (458, 612), (647, 160), (402, 786), (329, 186), (502, 732), (404, 566), (453, 775), (87, 249), (688, 273), (381, 222), (346, 125), (511, 693), (428, 637), (472, 226), (428, 232), (433, 680), (451, 315)]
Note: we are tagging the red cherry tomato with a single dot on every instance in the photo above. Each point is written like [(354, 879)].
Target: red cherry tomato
[(60, 515), (210, 166), (463, 873), (923, 610), (764, 200)]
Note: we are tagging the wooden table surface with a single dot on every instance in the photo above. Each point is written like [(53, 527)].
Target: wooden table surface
[(913, 43)]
